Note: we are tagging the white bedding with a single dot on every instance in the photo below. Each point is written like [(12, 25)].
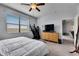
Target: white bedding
[(22, 46)]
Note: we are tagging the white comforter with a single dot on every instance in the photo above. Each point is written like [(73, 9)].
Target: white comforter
[(22, 46)]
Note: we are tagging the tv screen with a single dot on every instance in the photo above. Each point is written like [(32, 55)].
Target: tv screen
[(49, 27)]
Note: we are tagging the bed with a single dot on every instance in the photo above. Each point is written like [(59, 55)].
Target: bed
[(22, 46)]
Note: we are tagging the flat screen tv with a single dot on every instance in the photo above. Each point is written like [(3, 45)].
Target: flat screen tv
[(49, 28)]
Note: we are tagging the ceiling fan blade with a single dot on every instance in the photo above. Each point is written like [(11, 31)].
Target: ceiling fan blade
[(40, 4), (37, 9), (30, 9), (25, 4)]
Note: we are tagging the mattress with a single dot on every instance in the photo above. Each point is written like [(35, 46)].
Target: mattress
[(22, 46)]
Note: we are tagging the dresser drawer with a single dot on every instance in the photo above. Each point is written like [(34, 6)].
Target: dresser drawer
[(50, 36)]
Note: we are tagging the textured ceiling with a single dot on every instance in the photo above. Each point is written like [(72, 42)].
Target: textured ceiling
[(47, 8)]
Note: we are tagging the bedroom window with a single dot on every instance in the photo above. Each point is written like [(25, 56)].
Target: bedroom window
[(12, 24), (16, 24), (24, 24)]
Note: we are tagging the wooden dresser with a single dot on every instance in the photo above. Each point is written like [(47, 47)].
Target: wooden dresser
[(50, 36)]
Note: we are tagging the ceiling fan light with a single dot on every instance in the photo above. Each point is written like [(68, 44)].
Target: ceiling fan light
[(33, 6)]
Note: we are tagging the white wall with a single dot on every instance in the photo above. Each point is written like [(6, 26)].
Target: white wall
[(56, 17), (2, 19), (49, 19)]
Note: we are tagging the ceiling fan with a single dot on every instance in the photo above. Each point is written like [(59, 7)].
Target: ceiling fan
[(34, 6)]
